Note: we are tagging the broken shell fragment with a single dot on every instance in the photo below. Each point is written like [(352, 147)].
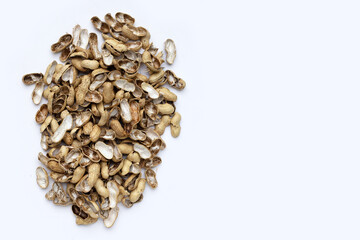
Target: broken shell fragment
[(41, 114), (126, 202), (100, 25), (93, 97), (87, 221), (112, 22), (83, 184), (65, 54), (105, 150), (124, 18), (113, 193), (125, 111), (174, 81), (156, 77), (135, 169), (150, 90), (133, 46), (133, 33), (124, 84), (110, 220), (82, 118), (107, 57), (76, 35), (93, 43), (43, 141), (62, 43), (115, 168), (99, 77), (137, 135), (115, 46), (78, 212), (42, 178), (170, 51), (151, 178), (60, 177), (107, 134), (38, 92), (142, 150), (92, 154), (114, 75), (32, 78), (64, 126), (84, 38), (73, 157), (50, 70)]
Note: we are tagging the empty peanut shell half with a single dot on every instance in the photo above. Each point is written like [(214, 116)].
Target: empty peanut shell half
[(63, 42), (170, 51), (42, 178)]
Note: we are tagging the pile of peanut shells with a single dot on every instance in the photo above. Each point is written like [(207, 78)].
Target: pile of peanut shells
[(102, 124)]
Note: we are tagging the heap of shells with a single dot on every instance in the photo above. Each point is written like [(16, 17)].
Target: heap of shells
[(102, 124)]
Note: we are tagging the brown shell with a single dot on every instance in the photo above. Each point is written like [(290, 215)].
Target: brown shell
[(100, 25), (124, 18), (93, 97), (63, 42), (92, 154), (118, 35), (113, 23), (133, 33), (59, 104), (150, 176), (134, 46), (32, 78), (41, 114)]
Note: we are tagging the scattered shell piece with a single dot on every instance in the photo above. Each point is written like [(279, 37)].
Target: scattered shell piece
[(63, 42), (105, 150), (150, 90), (142, 150), (110, 220), (32, 78), (170, 51), (38, 92), (42, 178)]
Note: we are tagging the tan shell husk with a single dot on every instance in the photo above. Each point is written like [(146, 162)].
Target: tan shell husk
[(62, 43), (32, 78), (100, 25)]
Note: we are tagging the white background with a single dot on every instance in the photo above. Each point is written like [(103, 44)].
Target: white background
[(269, 147)]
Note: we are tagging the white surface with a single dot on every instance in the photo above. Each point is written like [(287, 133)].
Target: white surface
[(269, 147)]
